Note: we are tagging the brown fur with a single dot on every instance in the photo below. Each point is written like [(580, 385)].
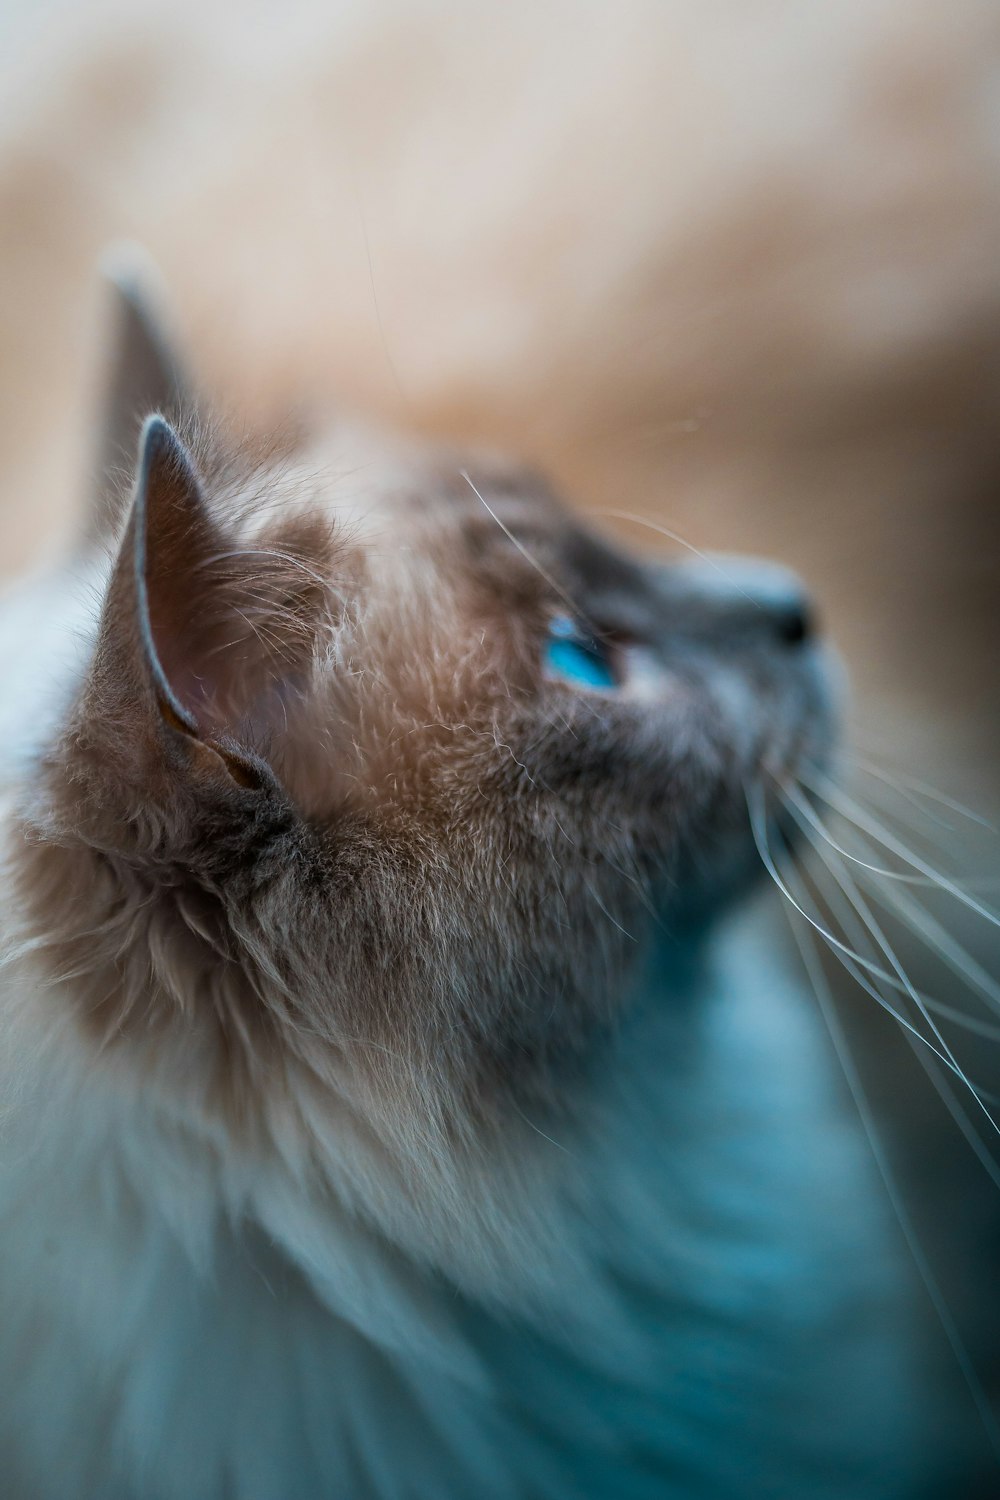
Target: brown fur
[(337, 856)]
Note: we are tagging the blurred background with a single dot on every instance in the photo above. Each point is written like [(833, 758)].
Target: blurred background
[(730, 267)]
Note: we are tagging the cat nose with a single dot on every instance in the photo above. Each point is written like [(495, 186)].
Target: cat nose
[(782, 604), (755, 596), (773, 599), (793, 622)]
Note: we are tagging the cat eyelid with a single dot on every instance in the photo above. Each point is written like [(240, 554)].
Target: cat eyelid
[(594, 628)]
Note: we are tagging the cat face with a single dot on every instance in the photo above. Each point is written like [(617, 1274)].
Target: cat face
[(383, 776)]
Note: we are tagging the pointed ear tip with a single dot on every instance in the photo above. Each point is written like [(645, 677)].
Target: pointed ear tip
[(156, 440), (159, 442), (156, 431), (161, 447)]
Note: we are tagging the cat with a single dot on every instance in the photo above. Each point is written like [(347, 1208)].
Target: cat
[(405, 1090)]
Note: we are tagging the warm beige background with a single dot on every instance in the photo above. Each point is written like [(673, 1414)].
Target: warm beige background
[(736, 266), (732, 264)]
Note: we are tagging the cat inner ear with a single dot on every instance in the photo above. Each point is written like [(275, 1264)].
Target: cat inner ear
[(203, 636), (144, 376)]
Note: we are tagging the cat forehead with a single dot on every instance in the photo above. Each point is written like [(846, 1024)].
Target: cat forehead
[(378, 488), (425, 538)]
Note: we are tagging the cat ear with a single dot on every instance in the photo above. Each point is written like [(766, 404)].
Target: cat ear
[(145, 376), (201, 639)]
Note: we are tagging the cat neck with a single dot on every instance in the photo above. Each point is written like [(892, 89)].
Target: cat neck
[(722, 1250)]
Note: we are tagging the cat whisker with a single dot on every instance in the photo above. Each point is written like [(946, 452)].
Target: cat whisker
[(937, 938), (989, 1030), (855, 814), (758, 828), (795, 800), (849, 953), (898, 782), (824, 999), (947, 1096), (899, 903), (838, 895)]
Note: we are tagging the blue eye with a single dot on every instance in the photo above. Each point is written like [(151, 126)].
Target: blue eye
[(571, 655)]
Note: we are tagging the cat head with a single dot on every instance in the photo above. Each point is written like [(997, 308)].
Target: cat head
[(383, 776)]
